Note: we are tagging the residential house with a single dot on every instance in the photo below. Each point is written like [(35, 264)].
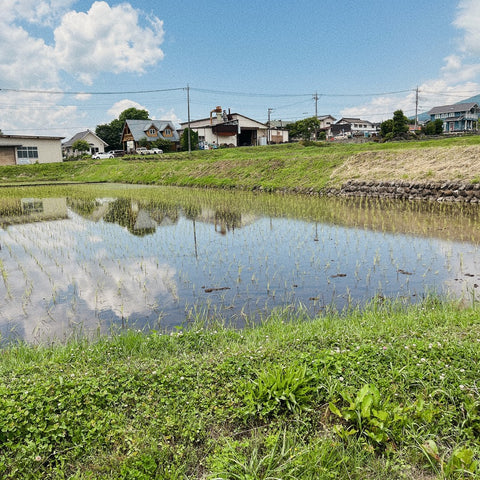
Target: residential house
[(149, 130), (16, 211), (326, 122), (25, 149), (97, 145), (230, 129), (359, 127), (459, 117), (277, 133), (340, 130)]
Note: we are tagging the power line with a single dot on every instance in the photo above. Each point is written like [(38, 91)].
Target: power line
[(201, 90), (60, 92), (275, 95)]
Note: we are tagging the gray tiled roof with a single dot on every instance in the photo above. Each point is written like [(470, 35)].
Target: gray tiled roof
[(139, 128), (455, 108), (81, 136)]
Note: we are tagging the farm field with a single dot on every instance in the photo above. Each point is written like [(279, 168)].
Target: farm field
[(107, 257), (383, 385)]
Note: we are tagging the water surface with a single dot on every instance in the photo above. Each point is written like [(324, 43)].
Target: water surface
[(96, 258)]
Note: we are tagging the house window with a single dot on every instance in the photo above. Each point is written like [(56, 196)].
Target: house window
[(27, 152), (152, 132), (167, 132), (30, 206)]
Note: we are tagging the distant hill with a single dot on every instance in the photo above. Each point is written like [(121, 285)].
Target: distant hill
[(423, 117)]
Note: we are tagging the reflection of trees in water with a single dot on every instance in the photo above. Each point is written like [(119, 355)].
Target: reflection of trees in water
[(10, 207), (227, 220), (140, 218), (192, 212), (81, 206), (120, 212), (162, 212)]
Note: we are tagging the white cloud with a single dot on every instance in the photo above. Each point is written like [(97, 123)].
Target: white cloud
[(26, 110), (43, 12), (117, 108), (468, 19), (83, 97), (107, 39), (44, 39), (381, 108), (25, 61), (163, 114), (458, 78)]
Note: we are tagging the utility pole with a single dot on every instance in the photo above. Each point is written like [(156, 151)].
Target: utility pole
[(268, 134), (416, 108), (315, 97), (188, 110)]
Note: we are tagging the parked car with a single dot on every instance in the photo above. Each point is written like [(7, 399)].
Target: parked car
[(146, 151), (118, 153), (100, 155)]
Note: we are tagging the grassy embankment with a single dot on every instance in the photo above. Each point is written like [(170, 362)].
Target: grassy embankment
[(388, 393), (284, 167)]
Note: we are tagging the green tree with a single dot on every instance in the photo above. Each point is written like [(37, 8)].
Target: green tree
[(112, 132), (386, 127), (143, 142), (438, 126), (133, 114), (400, 123), (81, 146), (193, 140), (165, 145), (304, 129), (433, 128)]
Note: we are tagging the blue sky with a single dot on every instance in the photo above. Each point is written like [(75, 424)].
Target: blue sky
[(247, 56)]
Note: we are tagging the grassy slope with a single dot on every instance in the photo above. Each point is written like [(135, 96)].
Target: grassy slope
[(292, 167), (218, 403)]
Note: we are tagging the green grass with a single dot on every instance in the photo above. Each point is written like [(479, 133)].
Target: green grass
[(292, 167), (387, 393)]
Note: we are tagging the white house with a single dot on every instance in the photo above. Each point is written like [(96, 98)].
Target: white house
[(326, 122), (358, 127), (23, 149), (96, 143), (231, 129)]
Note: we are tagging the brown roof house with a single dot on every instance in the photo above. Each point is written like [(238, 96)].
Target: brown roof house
[(150, 130)]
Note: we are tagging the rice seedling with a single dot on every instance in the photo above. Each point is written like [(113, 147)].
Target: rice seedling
[(133, 247)]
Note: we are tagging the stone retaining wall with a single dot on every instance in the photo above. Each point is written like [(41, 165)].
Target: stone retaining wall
[(440, 192)]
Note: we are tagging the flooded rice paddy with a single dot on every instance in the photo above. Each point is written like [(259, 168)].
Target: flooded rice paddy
[(82, 259)]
